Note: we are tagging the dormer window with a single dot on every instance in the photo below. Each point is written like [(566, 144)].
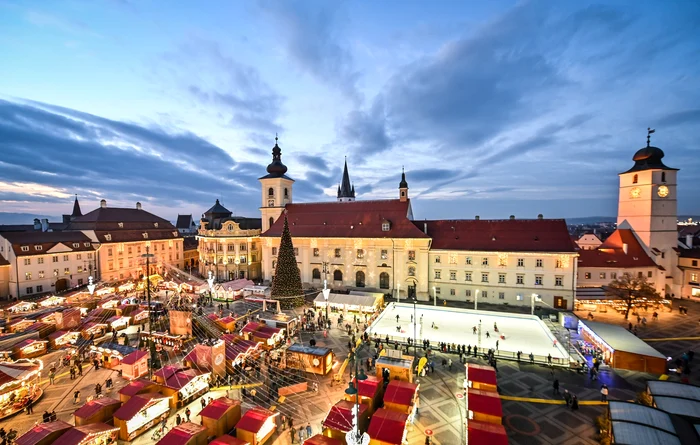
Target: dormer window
[(121, 225), (108, 237), (86, 244), (145, 235), (25, 248), (155, 225), (39, 247), (386, 225), (76, 245)]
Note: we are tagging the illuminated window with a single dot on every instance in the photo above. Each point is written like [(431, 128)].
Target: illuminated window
[(316, 252), (602, 275), (25, 248), (484, 261), (27, 275), (694, 277), (613, 275), (649, 274), (437, 291), (437, 274), (501, 278), (41, 274), (360, 254), (385, 254), (558, 264)]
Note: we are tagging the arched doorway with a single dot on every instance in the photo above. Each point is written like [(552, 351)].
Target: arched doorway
[(384, 280), (359, 279), (337, 275), (411, 292), (61, 285)]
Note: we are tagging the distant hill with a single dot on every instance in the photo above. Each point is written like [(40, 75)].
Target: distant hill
[(24, 218)]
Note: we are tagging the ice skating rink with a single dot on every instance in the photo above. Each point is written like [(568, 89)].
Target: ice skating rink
[(525, 333)]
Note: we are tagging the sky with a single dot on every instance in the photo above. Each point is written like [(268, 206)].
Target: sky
[(493, 108)]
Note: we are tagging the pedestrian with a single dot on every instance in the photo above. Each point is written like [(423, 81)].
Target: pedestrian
[(474, 330), (178, 419), (555, 387), (518, 355), (309, 431), (76, 397), (449, 363), (52, 375), (574, 403), (80, 369), (488, 335), (567, 397), (549, 359), (604, 393), (532, 359), (496, 345), (29, 406), (397, 318), (188, 413), (301, 435), (293, 434), (427, 440)]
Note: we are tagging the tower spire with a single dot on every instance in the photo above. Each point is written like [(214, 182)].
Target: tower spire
[(346, 191), (76, 208)]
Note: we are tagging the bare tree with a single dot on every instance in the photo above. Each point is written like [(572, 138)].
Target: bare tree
[(630, 288)]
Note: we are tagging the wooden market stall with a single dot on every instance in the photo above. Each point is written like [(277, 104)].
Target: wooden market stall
[(238, 350), (338, 421), (111, 354), (315, 360), (93, 434), (118, 322), (19, 384), (22, 306), (400, 396), (68, 318), (289, 323), (228, 323), (30, 348), (135, 365), (387, 428), (480, 377), (185, 386), (44, 329), (139, 316), (364, 303), (256, 425), (93, 329), (221, 415), (187, 433), (96, 411), (369, 392), (228, 440), (135, 387), (43, 433), (140, 413), (267, 335), (484, 406), (20, 325), (51, 301), (399, 366), (60, 339), (320, 439), (487, 433)]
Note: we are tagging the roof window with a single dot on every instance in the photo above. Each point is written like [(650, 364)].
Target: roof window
[(25, 248), (155, 224), (386, 226), (76, 245), (121, 225), (145, 235), (86, 244), (39, 247), (108, 237)]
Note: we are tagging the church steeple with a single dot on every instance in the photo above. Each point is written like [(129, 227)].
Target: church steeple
[(76, 209), (403, 186), (346, 191)]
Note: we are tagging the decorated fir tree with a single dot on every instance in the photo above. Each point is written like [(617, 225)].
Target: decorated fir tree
[(286, 285)]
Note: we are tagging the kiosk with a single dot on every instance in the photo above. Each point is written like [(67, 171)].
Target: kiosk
[(135, 387), (135, 365), (140, 413), (484, 406), (482, 432), (43, 433), (400, 396), (369, 392), (96, 411), (187, 433), (60, 339), (228, 440), (387, 428), (480, 377), (30, 348), (93, 434), (339, 419), (315, 360), (221, 415), (256, 426)]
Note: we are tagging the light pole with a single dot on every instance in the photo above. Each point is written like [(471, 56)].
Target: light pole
[(151, 346), (354, 436), (91, 286), (237, 262), (210, 282), (534, 297), (415, 350), (476, 299), (434, 296), (326, 294)]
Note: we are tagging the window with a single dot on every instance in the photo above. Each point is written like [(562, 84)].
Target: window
[(484, 278), (385, 226), (27, 275), (78, 256), (468, 261), (663, 254), (230, 248), (468, 293), (131, 263), (76, 245), (384, 254), (138, 249), (649, 274), (65, 257), (501, 295), (360, 254), (129, 250), (452, 292), (635, 178), (40, 288), (452, 259), (484, 261), (640, 274), (109, 252), (538, 262), (25, 248), (437, 274), (296, 251), (520, 279), (108, 237), (437, 259), (80, 269), (558, 264), (274, 250), (316, 274), (30, 290), (411, 271), (270, 192), (252, 246), (66, 271), (694, 277), (359, 279), (337, 275), (602, 275), (538, 280), (41, 274), (272, 221), (27, 261), (613, 275), (587, 275), (86, 244), (663, 176), (694, 263), (253, 258), (501, 278), (337, 253), (558, 281), (467, 276), (286, 192), (243, 259), (274, 263), (55, 272), (40, 247), (437, 291), (411, 255), (453, 275), (243, 248), (384, 280), (521, 262), (316, 252), (80, 281), (519, 297)]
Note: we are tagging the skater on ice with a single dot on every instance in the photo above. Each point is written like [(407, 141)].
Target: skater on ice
[(488, 335), (474, 330), (397, 318), (495, 327)]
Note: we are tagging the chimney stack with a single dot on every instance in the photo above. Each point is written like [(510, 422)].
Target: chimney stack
[(138, 206), (540, 216), (625, 247), (477, 217), (425, 228), (689, 241), (103, 203), (37, 224), (512, 216), (45, 225)]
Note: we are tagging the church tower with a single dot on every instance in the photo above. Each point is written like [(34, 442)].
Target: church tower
[(346, 192), (647, 203), (403, 187), (276, 189)]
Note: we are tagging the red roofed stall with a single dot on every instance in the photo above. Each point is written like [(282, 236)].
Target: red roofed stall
[(96, 411), (187, 433), (387, 427), (140, 413), (339, 419), (135, 365), (185, 386), (59, 339), (221, 415), (486, 433), (30, 348), (43, 433), (135, 387), (320, 439), (480, 377), (256, 425), (260, 332), (400, 396), (228, 440), (369, 392), (93, 434), (484, 406)]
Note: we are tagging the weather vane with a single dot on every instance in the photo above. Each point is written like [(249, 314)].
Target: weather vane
[(650, 131)]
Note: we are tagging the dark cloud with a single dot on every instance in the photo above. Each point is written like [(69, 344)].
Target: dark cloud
[(680, 118), (430, 174), (309, 33), (366, 132), (313, 162)]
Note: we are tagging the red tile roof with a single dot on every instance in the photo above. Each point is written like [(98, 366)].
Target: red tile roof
[(230, 440), (135, 387), (387, 426), (611, 253), (487, 402), (42, 431), (182, 434), (135, 404), (134, 357), (320, 439), (490, 433), (182, 378), (76, 435), (400, 392), (217, 408), (516, 235), (47, 241), (355, 219), (94, 406), (482, 374), (253, 419), (340, 416)]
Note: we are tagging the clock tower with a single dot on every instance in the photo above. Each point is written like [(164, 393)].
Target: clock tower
[(647, 203), (276, 189)]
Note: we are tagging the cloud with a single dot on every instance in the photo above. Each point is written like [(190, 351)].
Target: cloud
[(366, 132), (314, 162), (679, 118), (430, 174), (309, 32)]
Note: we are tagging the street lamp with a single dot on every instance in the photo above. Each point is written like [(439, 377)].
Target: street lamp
[(354, 436), (415, 320), (534, 297), (326, 294), (476, 299), (151, 346), (434, 296), (91, 286)]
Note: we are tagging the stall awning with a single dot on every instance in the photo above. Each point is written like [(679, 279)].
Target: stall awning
[(136, 404), (592, 293), (400, 392), (182, 434), (483, 432), (345, 299), (254, 419), (387, 426), (620, 339), (340, 416), (76, 435), (42, 431)]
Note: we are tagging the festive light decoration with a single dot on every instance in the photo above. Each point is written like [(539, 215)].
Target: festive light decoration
[(502, 259), (565, 261), (286, 286), (453, 258)]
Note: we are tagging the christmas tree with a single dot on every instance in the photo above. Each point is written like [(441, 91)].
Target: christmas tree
[(286, 286)]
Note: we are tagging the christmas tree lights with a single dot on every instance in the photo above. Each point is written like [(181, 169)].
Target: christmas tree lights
[(286, 285)]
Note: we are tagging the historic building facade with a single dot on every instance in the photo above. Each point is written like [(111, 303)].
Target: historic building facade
[(229, 246)]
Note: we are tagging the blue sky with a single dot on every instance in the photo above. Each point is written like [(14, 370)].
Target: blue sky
[(493, 108)]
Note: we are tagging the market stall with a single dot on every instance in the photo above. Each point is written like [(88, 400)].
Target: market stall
[(228, 440), (221, 415), (484, 406), (111, 354), (259, 332), (43, 329), (51, 301), (43, 433), (320, 439), (187, 433), (289, 323), (22, 306), (96, 410), (487, 433), (68, 318), (93, 329), (339, 419), (19, 384), (93, 434), (19, 325), (256, 426), (238, 350), (387, 427), (364, 304), (227, 323), (135, 387), (139, 316), (598, 299), (401, 397), (397, 365), (140, 413), (165, 339), (480, 377), (30, 348), (135, 365), (185, 386), (620, 348), (369, 392), (315, 360), (118, 323)]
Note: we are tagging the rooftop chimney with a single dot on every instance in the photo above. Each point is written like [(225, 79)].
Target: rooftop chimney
[(540, 216), (138, 206), (103, 203), (512, 216), (37, 224), (625, 247), (425, 228), (45, 225), (689, 241), (477, 217)]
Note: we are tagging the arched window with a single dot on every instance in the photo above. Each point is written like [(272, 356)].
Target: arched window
[(663, 176), (270, 192), (272, 221), (384, 280), (286, 192), (360, 279), (634, 179), (337, 275), (411, 271), (274, 263), (316, 274)]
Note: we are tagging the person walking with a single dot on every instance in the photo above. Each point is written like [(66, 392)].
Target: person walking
[(567, 397), (80, 369), (604, 393), (555, 387), (449, 363), (496, 345), (188, 413), (574, 403), (76, 397), (309, 430), (293, 434), (52, 375), (203, 402), (532, 359)]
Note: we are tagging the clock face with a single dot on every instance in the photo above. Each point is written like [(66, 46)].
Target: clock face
[(662, 191), (635, 193), (219, 358)]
